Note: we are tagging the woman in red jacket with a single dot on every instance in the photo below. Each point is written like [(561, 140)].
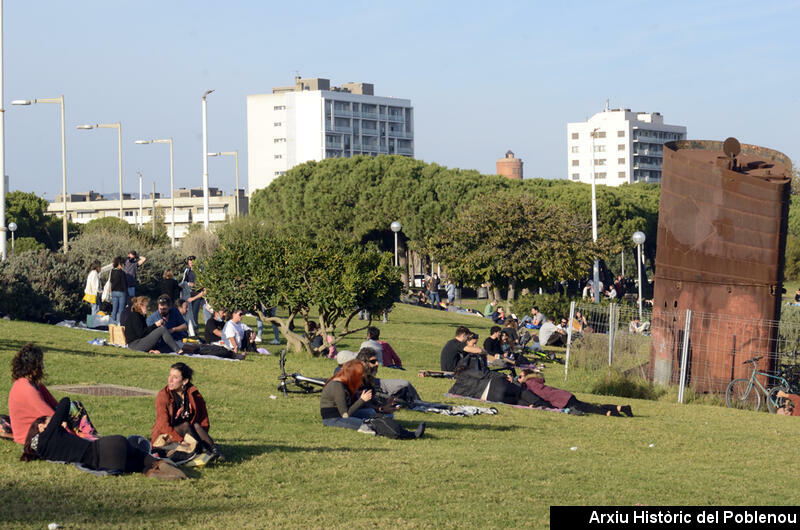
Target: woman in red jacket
[(181, 411)]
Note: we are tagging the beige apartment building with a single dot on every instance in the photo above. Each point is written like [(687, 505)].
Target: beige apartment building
[(84, 207)]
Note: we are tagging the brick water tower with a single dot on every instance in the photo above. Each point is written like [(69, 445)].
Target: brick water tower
[(509, 166)]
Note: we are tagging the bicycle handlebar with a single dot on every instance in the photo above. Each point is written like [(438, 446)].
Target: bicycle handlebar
[(754, 359)]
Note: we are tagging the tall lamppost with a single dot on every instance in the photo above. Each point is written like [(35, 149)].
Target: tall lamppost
[(596, 268), (118, 127), (639, 239), (3, 189), (60, 101), (139, 224), (205, 159), (236, 189), (171, 178), (12, 227), (396, 227)]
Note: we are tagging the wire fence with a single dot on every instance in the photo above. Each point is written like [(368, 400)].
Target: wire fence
[(701, 351)]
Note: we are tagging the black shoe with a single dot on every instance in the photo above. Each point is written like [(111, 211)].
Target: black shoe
[(627, 411), (218, 456), (420, 430)]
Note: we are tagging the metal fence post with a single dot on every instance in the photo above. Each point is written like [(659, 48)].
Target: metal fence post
[(612, 328), (684, 353), (569, 337)]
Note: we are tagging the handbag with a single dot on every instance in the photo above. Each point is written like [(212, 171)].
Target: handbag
[(90, 298), (106, 297)]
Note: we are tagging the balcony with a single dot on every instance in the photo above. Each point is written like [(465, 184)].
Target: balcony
[(180, 217), (645, 165), (405, 151), (392, 117), (401, 134), (369, 115)]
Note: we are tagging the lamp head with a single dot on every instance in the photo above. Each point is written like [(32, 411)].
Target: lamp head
[(639, 238), (12, 226), (21, 102), (396, 226), (214, 154), (143, 142), (85, 126)]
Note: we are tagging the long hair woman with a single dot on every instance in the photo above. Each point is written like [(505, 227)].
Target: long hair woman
[(182, 417), (142, 337), (340, 398), (29, 398), (92, 289)]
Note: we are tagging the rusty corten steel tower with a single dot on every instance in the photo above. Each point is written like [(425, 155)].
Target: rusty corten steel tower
[(721, 237)]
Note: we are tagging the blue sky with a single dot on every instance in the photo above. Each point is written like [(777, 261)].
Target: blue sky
[(483, 77)]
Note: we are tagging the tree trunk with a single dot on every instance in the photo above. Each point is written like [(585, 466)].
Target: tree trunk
[(495, 293), (512, 291), (294, 342)]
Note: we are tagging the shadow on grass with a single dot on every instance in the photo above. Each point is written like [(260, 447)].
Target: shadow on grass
[(434, 425), (241, 452)]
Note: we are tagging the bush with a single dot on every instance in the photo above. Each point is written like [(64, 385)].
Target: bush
[(552, 305), (618, 384), (26, 244), (17, 298)]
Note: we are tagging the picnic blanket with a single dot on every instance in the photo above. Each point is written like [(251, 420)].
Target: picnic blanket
[(451, 410), (565, 411)]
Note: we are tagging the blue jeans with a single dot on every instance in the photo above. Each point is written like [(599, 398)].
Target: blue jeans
[(435, 298), (131, 293), (345, 423), (117, 305), (365, 413), (95, 308)]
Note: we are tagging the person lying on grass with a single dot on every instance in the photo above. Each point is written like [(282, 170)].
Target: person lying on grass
[(47, 438), (142, 337), (492, 386), (182, 418), (561, 399), (29, 398)]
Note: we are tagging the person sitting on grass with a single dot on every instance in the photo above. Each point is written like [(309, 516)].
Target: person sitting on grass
[(48, 439), (387, 356), (213, 327), (552, 335), (455, 349), (236, 335), (142, 337), (341, 400), (386, 391), (175, 323), (637, 327), (182, 418), (29, 398), (561, 399), (791, 405)]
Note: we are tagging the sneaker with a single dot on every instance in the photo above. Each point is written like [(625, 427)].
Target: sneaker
[(200, 460), (217, 454), (366, 429), (420, 430), (258, 339), (274, 342)]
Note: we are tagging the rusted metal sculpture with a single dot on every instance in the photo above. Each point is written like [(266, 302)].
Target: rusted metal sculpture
[(721, 239)]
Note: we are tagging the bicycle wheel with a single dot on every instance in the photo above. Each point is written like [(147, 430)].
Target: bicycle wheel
[(741, 394), (773, 401)]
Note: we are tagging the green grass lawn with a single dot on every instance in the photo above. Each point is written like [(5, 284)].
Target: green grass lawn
[(284, 469)]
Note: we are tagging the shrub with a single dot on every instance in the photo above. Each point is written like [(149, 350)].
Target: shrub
[(552, 305), (26, 244), (199, 243)]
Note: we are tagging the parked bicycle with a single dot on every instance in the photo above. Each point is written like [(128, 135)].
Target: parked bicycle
[(297, 383), (746, 394)]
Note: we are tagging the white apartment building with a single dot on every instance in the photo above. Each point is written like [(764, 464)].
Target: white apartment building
[(626, 147), (84, 207), (313, 121)]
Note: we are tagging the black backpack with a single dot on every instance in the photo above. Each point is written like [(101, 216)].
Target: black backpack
[(386, 426)]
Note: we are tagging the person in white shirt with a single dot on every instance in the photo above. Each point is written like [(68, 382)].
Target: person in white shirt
[(236, 335), (638, 327)]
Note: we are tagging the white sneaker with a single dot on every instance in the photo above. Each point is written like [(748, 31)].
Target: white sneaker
[(366, 429), (258, 339)]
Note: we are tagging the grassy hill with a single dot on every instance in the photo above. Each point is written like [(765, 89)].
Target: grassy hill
[(285, 469)]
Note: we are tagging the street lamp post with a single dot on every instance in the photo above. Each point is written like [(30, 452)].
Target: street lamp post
[(236, 184), (205, 159), (118, 127), (396, 227), (60, 101), (639, 239), (596, 267), (171, 178), (12, 227), (139, 224)]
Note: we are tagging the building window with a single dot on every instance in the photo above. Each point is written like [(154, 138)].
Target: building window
[(600, 134), (574, 136), (279, 173), (622, 174), (279, 140), (279, 107), (621, 161), (278, 156), (575, 162), (599, 149), (576, 176), (620, 134), (599, 161), (574, 149), (277, 124), (621, 147), (600, 175)]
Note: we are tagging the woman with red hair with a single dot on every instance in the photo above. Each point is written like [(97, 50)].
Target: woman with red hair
[(338, 400)]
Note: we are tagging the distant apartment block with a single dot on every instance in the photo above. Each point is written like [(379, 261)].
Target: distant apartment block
[(510, 167), (312, 120), (619, 146), (84, 207)]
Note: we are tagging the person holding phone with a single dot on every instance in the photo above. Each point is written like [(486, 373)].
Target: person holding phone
[(142, 337)]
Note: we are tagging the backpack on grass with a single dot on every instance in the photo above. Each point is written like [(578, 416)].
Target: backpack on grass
[(386, 426)]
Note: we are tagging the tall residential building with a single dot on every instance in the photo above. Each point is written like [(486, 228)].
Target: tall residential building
[(312, 121), (510, 167), (620, 146)]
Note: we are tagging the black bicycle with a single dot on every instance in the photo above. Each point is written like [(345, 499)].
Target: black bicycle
[(296, 383)]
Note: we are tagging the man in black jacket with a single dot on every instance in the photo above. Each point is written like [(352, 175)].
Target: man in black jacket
[(455, 348)]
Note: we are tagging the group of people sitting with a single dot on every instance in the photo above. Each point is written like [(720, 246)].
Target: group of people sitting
[(476, 378), (165, 330), (61, 431)]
